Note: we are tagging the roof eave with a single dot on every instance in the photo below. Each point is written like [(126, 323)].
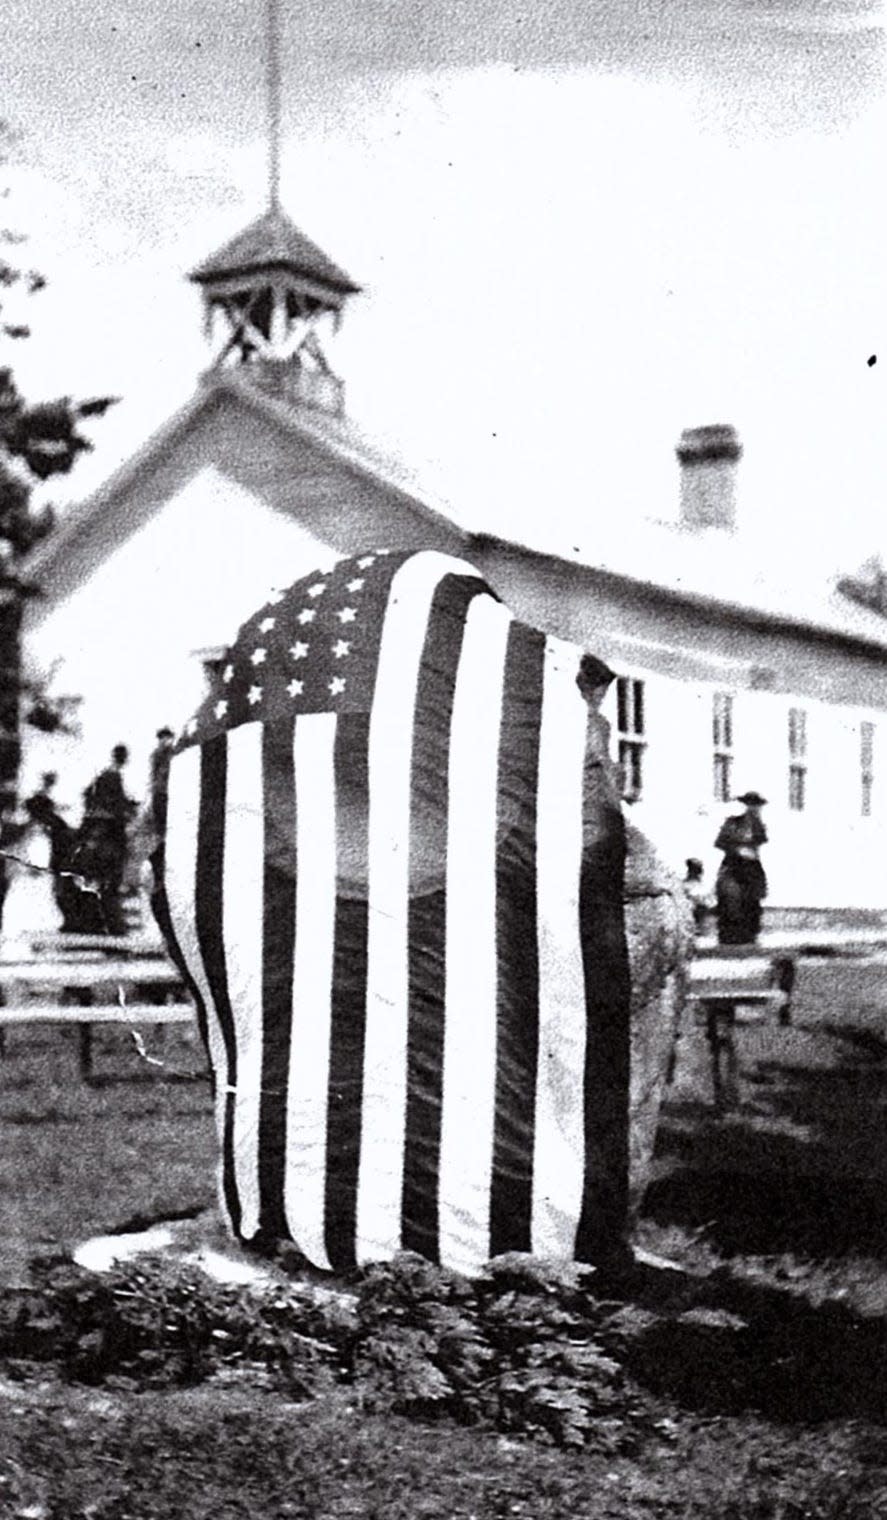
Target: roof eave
[(213, 383), (340, 284), (349, 451), (750, 617)]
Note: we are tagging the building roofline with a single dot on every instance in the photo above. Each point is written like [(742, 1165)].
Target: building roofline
[(344, 441), (81, 514), (737, 612), (342, 285), (340, 440), (272, 240)]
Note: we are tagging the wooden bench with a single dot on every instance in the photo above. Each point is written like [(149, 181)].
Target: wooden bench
[(84, 989), (132, 1014), (123, 946), (737, 983), (88, 973)]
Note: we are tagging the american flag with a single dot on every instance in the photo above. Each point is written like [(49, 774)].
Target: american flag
[(393, 880)]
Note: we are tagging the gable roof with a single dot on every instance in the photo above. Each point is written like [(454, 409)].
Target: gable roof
[(708, 570), (338, 439), (273, 241)]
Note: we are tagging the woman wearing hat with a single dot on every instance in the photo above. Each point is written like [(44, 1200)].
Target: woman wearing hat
[(741, 885)]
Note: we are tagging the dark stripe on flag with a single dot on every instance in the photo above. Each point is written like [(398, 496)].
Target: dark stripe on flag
[(517, 996), (603, 1220), (371, 603), (163, 917), (348, 1012), (208, 906), (278, 952), (427, 915)]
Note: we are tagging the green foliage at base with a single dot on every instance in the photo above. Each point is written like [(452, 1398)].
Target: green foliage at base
[(521, 1349)]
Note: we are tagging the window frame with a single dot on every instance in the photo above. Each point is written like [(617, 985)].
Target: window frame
[(631, 735), (723, 711), (867, 731), (798, 764)]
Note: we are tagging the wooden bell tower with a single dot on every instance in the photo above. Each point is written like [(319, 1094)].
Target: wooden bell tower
[(270, 294)]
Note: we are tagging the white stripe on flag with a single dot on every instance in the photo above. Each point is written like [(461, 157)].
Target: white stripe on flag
[(559, 1142), (305, 1179), (383, 1116), (180, 880), (242, 894), (469, 1067)]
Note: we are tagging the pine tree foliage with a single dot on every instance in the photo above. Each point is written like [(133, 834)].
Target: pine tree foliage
[(38, 439)]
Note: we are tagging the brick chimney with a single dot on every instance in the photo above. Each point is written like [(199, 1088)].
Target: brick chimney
[(708, 457)]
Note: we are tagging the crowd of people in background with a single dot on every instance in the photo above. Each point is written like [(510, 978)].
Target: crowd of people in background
[(76, 878)]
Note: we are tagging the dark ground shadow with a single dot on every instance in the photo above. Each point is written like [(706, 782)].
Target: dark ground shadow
[(797, 1169), (766, 1214), (799, 1165), (722, 1346)]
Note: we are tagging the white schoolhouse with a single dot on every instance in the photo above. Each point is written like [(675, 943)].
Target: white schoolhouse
[(732, 674)]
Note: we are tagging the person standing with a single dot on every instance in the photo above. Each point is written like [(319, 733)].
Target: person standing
[(161, 757), (103, 844), (31, 909), (42, 809), (741, 884), (694, 887)]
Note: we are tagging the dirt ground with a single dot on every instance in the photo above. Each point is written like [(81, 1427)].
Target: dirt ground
[(765, 1364)]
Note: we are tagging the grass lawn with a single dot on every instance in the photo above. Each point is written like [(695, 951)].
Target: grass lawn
[(758, 1387), (78, 1160), (210, 1455)]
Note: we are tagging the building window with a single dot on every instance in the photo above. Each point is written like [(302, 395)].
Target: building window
[(722, 738), (797, 759), (630, 723), (866, 767)]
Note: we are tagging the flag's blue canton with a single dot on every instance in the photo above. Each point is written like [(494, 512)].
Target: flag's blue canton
[(312, 648)]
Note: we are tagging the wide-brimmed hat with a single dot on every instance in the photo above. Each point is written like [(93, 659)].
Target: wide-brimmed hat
[(752, 799)]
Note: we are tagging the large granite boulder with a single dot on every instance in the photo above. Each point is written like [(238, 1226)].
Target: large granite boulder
[(371, 885), (659, 934)]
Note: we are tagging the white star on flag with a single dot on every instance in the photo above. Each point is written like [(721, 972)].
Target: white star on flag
[(258, 656), (191, 727), (221, 709), (356, 585), (307, 615), (298, 651), (347, 615), (254, 695), (317, 590), (274, 598), (266, 625), (227, 673), (364, 564), (341, 647), (337, 686), (295, 688)]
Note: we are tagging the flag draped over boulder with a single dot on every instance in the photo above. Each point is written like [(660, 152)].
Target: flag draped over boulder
[(393, 879)]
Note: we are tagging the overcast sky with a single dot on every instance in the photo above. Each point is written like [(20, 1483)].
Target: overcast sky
[(578, 230)]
